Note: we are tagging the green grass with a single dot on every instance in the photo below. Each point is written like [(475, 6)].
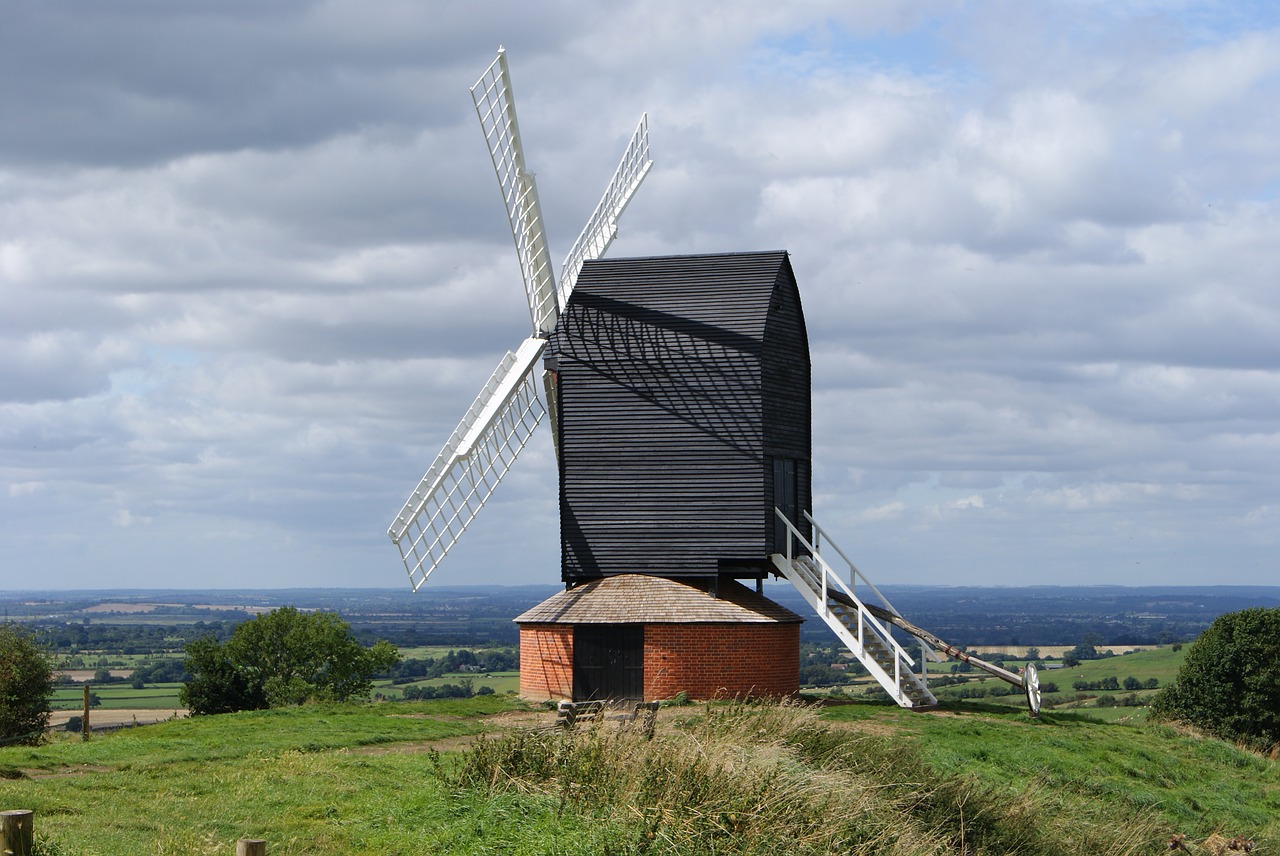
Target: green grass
[(1185, 784), (300, 777), (726, 778), (1120, 715)]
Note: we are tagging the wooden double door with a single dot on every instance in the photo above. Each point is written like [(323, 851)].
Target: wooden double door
[(608, 662)]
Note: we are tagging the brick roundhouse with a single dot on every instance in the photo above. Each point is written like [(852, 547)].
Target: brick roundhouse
[(644, 637)]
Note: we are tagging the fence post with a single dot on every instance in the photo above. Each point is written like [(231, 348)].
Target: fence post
[(16, 831), (251, 847), (84, 723)]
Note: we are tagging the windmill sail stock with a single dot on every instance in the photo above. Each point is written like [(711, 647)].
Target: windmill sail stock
[(507, 411)]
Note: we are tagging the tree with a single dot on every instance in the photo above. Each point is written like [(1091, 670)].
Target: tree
[(26, 683), (218, 683), (283, 657), (1229, 683), (1084, 651)]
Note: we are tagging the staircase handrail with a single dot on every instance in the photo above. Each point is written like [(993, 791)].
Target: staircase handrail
[(853, 569), (865, 614)]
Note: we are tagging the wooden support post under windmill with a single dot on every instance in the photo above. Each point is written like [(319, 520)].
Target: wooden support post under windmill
[(17, 829)]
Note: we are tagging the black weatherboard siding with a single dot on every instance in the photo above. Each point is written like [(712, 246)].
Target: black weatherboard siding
[(683, 405)]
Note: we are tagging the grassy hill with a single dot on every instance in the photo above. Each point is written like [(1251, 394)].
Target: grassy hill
[(398, 778), (1161, 663)]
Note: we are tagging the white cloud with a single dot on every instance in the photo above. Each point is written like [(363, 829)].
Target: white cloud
[(26, 488), (888, 511), (125, 518)]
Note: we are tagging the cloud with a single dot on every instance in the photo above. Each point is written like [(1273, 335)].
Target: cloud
[(124, 519), (25, 488), (254, 267), (888, 511)]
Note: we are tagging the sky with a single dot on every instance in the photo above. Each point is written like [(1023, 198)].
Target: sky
[(254, 266)]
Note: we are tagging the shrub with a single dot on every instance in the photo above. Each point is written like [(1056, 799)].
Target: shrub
[(26, 682), (1229, 683)]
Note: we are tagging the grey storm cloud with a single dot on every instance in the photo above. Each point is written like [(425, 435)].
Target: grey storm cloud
[(254, 266)]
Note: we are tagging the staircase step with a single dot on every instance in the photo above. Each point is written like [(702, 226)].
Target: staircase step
[(848, 618)]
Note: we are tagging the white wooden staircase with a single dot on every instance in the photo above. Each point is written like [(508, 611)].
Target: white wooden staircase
[(853, 622)]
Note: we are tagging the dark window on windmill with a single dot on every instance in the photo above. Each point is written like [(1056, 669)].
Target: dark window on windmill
[(683, 415)]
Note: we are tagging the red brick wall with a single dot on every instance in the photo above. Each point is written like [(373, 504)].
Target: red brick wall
[(724, 660), (546, 661), (703, 660)]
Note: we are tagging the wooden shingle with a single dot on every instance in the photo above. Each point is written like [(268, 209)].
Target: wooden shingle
[(644, 599)]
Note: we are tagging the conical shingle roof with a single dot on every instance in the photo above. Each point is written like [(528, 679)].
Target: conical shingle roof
[(644, 599)]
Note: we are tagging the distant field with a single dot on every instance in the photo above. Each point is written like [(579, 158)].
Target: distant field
[(1159, 663), (165, 696), (1053, 650), (82, 675), (500, 682), (435, 652), (118, 696)]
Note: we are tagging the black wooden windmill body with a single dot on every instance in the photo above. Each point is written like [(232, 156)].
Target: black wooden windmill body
[(679, 396), (682, 400)]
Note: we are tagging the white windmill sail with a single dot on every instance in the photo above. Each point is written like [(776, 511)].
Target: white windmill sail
[(469, 467), (602, 227), (497, 111), (507, 410)]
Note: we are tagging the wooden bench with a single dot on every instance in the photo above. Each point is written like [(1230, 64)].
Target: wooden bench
[(570, 713)]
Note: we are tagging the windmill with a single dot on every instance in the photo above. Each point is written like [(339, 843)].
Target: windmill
[(679, 394)]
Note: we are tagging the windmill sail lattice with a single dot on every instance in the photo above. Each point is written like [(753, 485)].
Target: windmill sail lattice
[(469, 467), (602, 228), (507, 410), (497, 112)]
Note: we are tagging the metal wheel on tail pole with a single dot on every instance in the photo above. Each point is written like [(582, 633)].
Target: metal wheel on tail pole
[(1031, 683)]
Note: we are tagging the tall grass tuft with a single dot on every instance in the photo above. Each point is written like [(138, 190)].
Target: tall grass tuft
[(764, 777)]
